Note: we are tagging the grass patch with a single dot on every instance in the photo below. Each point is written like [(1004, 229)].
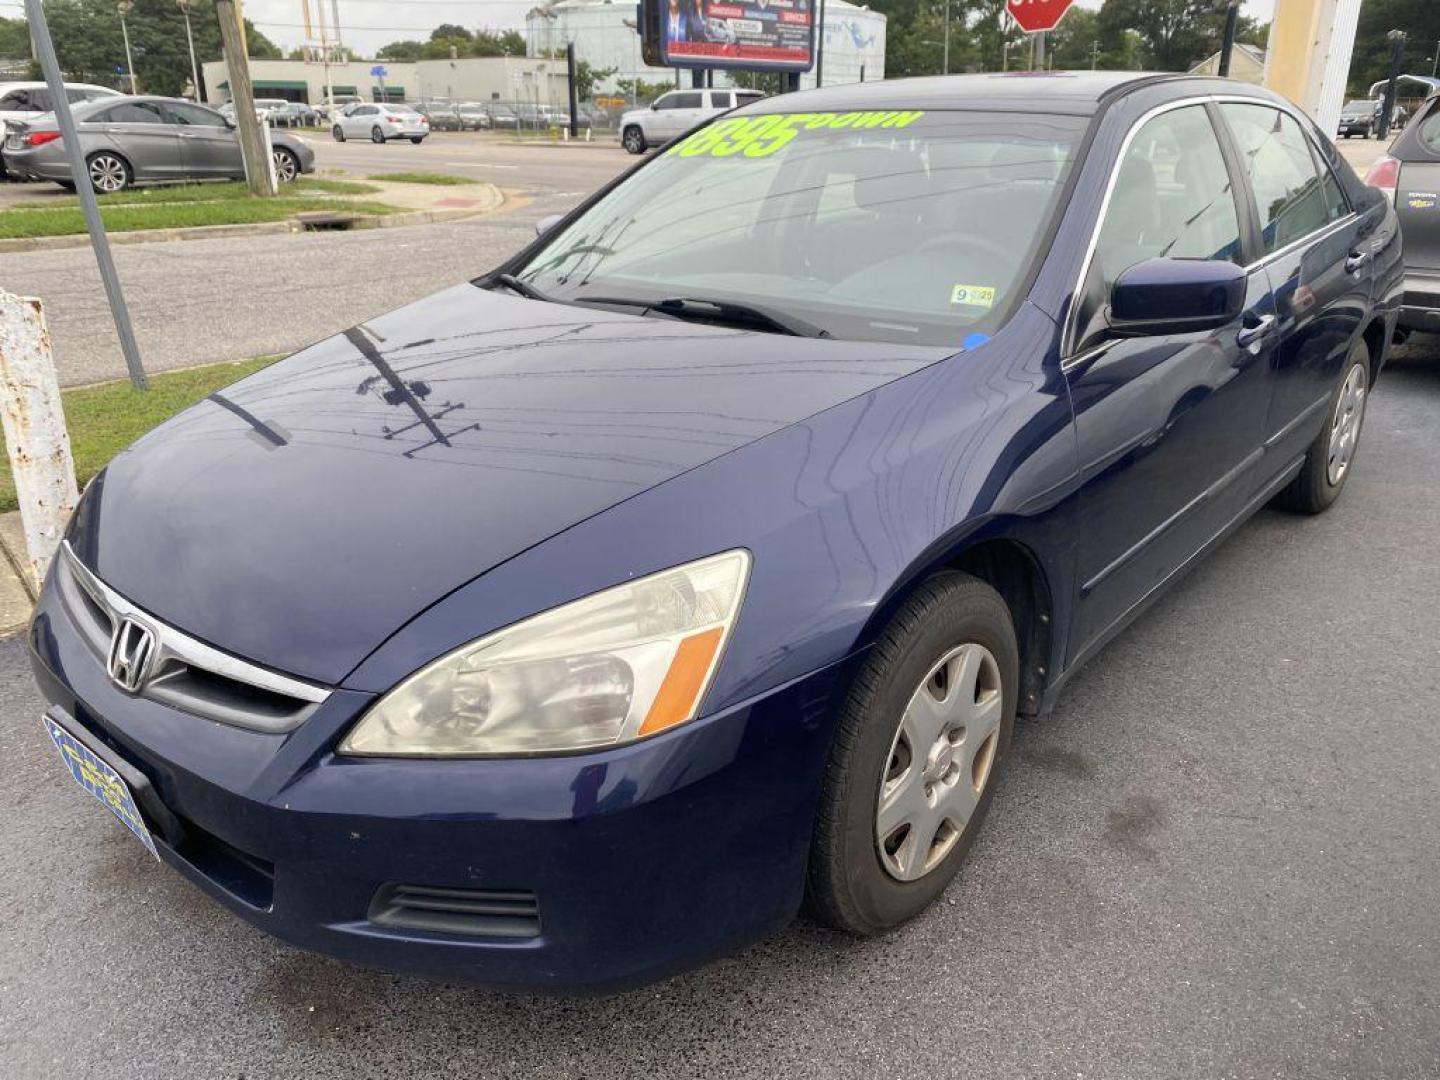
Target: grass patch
[(129, 217), (440, 179), (227, 191), (105, 419)]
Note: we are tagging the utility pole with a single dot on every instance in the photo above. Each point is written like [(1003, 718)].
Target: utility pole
[(1094, 54), (1227, 44), (70, 137), (820, 49), (1397, 61), (946, 65), (190, 38), (574, 92), (1435, 67), (253, 150), (125, 7)]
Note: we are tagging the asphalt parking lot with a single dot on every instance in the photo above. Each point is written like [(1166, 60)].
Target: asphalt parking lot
[(1216, 859)]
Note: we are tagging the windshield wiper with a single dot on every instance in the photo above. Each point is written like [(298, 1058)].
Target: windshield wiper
[(524, 288), (704, 309)]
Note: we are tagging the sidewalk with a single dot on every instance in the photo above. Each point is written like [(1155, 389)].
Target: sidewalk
[(15, 598)]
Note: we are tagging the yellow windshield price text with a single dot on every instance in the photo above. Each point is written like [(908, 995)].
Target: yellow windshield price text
[(761, 136)]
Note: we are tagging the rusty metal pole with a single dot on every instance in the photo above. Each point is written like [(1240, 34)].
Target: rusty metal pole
[(34, 426)]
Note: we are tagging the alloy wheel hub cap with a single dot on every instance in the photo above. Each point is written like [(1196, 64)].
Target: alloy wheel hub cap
[(1345, 424), (939, 762)]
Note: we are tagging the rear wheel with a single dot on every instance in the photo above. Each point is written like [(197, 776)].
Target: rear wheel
[(634, 139), (376, 134), (337, 133), (108, 172), (417, 139), (287, 165), (1327, 462), (912, 769)]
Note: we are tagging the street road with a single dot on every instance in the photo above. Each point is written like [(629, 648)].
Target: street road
[(199, 301), (1216, 859)]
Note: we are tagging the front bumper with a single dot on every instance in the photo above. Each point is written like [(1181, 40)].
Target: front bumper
[(1420, 307), (641, 861)]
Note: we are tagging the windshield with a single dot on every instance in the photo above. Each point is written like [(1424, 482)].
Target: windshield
[(879, 226), (1358, 108)]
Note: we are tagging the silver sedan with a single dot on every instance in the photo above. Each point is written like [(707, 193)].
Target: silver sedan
[(144, 140)]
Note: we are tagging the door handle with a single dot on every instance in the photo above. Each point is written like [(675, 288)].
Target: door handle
[(1356, 262), (1249, 336)]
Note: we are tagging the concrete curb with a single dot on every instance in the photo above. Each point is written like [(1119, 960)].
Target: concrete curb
[(17, 595), (287, 225)]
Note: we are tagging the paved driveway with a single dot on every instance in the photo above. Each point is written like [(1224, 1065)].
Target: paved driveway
[(1217, 859)]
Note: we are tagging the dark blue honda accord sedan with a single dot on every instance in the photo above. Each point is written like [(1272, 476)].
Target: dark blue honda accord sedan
[(577, 624)]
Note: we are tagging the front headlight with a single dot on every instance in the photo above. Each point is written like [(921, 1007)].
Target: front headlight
[(617, 666)]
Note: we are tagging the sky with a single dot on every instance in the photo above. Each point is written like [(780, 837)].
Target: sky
[(368, 24)]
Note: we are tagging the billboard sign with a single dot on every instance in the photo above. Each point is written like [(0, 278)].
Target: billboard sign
[(758, 35)]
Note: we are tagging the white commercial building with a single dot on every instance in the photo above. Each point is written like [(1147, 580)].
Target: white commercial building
[(605, 36), (485, 78)]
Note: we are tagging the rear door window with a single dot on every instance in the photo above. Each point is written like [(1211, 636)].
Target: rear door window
[(132, 112), (1281, 171)]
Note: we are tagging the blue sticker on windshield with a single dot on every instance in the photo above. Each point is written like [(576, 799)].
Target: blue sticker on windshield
[(975, 340)]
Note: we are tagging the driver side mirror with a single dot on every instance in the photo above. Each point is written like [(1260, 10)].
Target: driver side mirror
[(545, 224), (1176, 296), (654, 105)]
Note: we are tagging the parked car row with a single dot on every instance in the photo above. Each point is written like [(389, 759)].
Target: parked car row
[(144, 139)]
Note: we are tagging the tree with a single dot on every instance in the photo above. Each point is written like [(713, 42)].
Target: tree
[(1420, 19), (403, 51), (14, 39), (642, 91), (490, 43), (89, 45), (1174, 35), (451, 32)]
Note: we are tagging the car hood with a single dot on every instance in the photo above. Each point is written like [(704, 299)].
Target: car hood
[(303, 515)]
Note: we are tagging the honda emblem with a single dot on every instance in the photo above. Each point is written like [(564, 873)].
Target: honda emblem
[(132, 652)]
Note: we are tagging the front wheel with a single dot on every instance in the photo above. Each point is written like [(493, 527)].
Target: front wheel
[(1328, 461), (337, 133), (916, 752), (633, 140), (376, 135), (108, 172)]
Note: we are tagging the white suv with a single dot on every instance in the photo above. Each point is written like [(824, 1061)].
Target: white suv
[(675, 113), (22, 101)]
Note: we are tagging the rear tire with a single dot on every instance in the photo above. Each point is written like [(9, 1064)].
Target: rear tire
[(376, 135), (1329, 460), (287, 165), (417, 139), (109, 172), (917, 750), (633, 140), (337, 133)]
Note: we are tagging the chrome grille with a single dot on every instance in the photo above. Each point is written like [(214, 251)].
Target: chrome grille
[(183, 672)]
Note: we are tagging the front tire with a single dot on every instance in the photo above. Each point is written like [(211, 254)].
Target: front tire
[(633, 140), (109, 172), (917, 749), (337, 133), (1330, 457), (376, 135)]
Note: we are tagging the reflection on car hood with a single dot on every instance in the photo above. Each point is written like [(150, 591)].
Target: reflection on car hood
[(302, 516)]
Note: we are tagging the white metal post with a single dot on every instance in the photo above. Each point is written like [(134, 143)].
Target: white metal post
[(34, 426)]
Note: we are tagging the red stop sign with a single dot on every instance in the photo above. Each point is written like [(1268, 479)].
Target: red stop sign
[(1037, 15)]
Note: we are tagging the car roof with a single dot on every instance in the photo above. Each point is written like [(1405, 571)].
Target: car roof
[(1077, 93), (32, 84)]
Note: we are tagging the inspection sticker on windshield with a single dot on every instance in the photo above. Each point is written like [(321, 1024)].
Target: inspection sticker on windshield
[(761, 136), (973, 295)]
